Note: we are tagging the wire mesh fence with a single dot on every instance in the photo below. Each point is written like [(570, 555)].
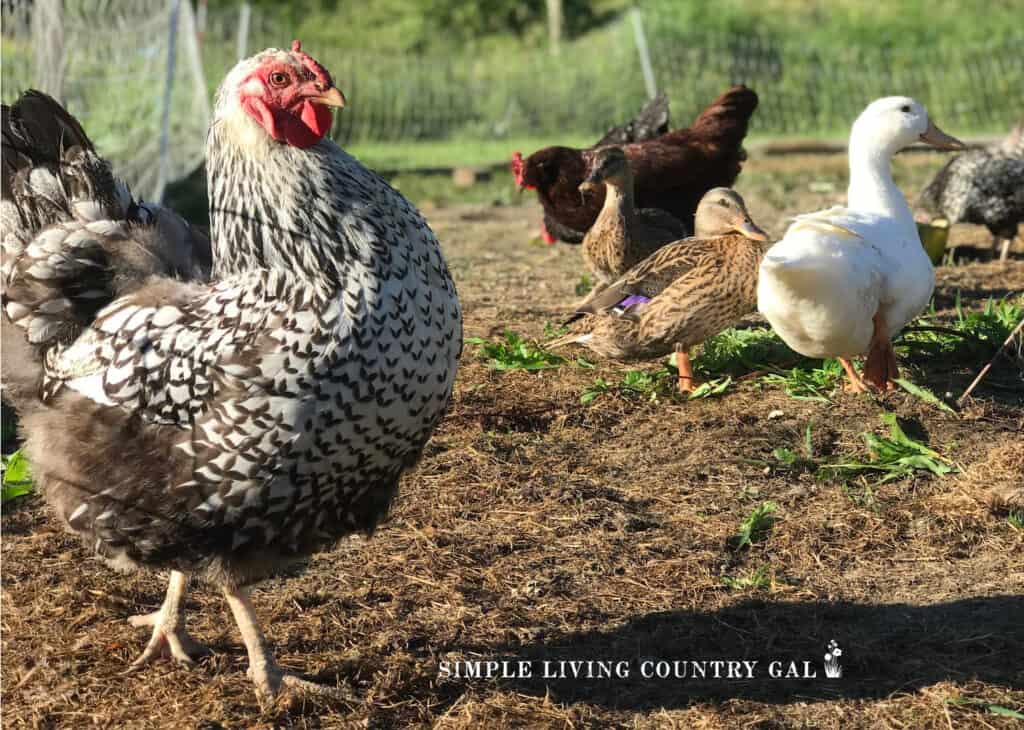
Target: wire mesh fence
[(113, 62), (129, 71)]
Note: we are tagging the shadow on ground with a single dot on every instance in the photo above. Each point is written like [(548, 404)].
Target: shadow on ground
[(886, 648)]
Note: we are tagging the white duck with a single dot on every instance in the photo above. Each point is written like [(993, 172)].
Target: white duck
[(843, 281)]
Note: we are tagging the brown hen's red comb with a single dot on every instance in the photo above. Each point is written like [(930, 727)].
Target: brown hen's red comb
[(312, 65)]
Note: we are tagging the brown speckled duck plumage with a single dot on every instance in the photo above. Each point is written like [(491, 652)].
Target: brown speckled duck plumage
[(622, 236), (683, 293)]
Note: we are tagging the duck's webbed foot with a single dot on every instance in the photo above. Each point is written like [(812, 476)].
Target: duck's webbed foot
[(881, 368)]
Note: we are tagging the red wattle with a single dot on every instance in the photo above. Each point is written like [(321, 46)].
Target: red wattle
[(302, 131), (317, 117)]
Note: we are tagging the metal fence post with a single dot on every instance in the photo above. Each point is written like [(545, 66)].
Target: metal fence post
[(165, 121), (242, 42), (192, 32), (645, 56), (48, 39)]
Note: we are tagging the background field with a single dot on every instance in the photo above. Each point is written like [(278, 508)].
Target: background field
[(447, 82), (538, 527)]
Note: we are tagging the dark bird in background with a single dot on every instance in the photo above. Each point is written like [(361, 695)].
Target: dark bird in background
[(651, 122), (984, 187), (671, 171), (221, 430)]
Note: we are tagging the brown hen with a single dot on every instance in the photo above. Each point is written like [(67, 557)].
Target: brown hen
[(671, 172)]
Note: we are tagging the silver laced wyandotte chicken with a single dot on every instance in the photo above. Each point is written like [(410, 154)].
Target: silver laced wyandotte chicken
[(984, 187), (239, 425)]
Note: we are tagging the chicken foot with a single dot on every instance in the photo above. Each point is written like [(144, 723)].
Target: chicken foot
[(264, 671), (169, 638)]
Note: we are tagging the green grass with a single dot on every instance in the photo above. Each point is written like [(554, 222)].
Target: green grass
[(17, 477), (738, 351), (792, 461), (646, 385), (458, 151), (757, 580), (809, 383), (741, 351), (973, 335), (922, 393), (891, 457), (985, 705), (515, 353), (711, 388), (584, 286), (756, 526)]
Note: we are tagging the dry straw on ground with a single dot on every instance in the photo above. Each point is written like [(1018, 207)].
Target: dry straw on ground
[(536, 528)]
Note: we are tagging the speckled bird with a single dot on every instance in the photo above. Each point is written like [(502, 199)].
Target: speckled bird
[(226, 429), (983, 186)]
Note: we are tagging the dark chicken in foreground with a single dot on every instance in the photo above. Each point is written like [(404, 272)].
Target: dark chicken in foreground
[(241, 425), (671, 172)]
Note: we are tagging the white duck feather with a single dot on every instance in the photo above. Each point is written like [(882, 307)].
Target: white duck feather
[(821, 285)]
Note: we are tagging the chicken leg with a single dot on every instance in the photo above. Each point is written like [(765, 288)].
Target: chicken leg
[(880, 368), (268, 677), (1004, 248), (169, 636), (685, 369)]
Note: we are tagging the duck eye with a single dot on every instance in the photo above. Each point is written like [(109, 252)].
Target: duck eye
[(278, 78), (905, 108), (722, 202)]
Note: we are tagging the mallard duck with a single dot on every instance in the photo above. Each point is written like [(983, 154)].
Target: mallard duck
[(985, 187), (622, 236), (681, 294), (843, 281)]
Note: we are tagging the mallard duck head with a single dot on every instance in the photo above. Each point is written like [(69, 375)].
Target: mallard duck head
[(609, 166), (722, 211), (896, 122)]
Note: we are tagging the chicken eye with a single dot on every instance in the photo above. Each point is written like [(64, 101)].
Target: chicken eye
[(278, 78), (722, 202), (905, 108)]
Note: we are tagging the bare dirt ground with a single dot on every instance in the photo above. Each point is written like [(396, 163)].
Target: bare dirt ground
[(540, 529)]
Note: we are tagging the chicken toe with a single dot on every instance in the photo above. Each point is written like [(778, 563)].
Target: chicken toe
[(169, 637), (269, 678)]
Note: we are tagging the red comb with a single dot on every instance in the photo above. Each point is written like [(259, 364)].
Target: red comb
[(517, 168), (312, 65)]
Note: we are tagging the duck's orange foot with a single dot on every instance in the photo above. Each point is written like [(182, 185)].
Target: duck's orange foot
[(686, 383), (880, 368), (854, 383)]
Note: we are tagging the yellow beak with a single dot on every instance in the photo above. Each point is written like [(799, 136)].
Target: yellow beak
[(331, 97)]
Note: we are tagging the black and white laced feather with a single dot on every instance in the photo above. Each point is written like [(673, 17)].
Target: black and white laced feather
[(983, 187), (268, 414), (73, 238)]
